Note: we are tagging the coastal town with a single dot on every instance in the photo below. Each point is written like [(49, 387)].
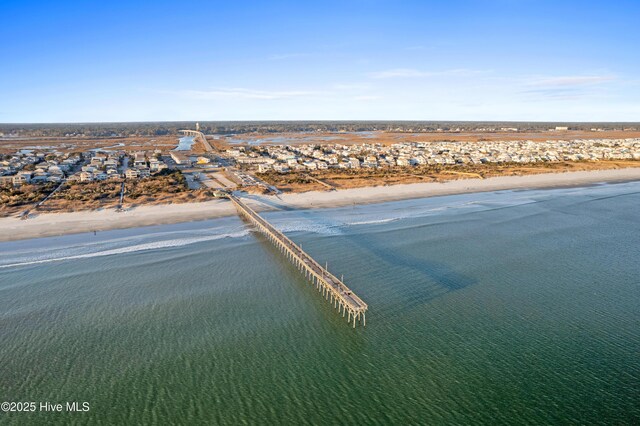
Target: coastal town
[(47, 166), (285, 158), (42, 167), (111, 177), (69, 181)]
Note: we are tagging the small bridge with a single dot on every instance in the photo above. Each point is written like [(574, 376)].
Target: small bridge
[(333, 289), (198, 135)]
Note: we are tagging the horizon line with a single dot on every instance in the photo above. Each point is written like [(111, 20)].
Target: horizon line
[(319, 121)]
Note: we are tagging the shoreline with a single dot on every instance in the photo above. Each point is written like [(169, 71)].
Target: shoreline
[(55, 224)]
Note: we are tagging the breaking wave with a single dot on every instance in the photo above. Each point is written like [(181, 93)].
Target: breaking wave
[(154, 245)]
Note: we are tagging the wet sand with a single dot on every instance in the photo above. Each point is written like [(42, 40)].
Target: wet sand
[(51, 224)]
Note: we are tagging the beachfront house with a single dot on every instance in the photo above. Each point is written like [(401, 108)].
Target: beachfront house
[(132, 174), (140, 160), (262, 168), (354, 163), (144, 172), (22, 178)]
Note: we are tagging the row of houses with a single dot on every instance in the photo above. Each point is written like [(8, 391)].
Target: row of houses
[(284, 158), (26, 167), (143, 167), (109, 166), (100, 166)]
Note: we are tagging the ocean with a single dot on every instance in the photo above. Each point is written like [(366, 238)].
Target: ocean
[(510, 307)]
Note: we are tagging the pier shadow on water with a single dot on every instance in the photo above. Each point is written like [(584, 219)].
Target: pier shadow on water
[(435, 278), (297, 282), (391, 267), (409, 279)]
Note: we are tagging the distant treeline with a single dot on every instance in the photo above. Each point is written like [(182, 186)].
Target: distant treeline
[(237, 127)]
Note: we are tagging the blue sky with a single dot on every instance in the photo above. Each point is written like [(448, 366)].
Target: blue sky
[(80, 61)]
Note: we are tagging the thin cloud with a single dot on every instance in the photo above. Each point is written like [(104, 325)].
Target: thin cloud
[(559, 93), (334, 92), (415, 73), (367, 98), (565, 88), (571, 81)]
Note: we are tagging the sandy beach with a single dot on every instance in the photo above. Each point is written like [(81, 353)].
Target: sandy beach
[(45, 225)]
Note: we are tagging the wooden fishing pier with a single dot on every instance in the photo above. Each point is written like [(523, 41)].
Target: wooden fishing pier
[(332, 288)]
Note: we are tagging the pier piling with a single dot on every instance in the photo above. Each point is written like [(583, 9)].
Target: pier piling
[(332, 288)]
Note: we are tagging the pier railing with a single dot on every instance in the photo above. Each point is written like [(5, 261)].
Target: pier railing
[(332, 288)]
